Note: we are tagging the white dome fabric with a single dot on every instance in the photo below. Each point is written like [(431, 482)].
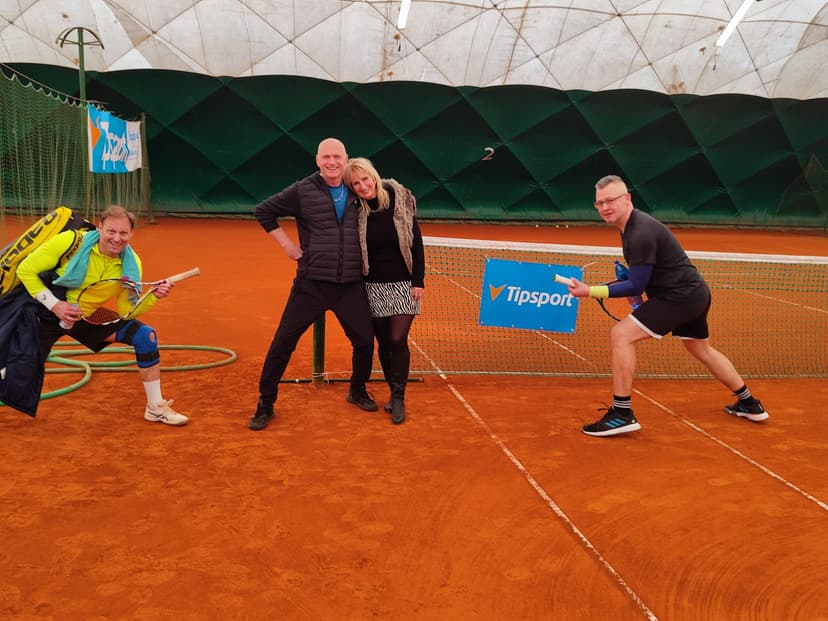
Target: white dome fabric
[(779, 49)]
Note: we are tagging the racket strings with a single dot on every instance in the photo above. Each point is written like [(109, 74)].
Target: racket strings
[(102, 315), (99, 300), (103, 302)]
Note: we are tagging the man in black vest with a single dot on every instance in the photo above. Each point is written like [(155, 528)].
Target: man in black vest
[(328, 274)]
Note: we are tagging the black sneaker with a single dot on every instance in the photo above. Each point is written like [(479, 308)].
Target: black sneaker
[(261, 418), (612, 423), (753, 412), (362, 399)]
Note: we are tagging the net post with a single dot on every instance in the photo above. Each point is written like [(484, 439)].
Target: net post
[(318, 374)]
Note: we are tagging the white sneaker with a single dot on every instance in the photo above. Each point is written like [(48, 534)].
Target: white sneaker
[(163, 413)]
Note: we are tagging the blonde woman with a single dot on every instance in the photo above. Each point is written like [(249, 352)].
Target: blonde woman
[(393, 268)]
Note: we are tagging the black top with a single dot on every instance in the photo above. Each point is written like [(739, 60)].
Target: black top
[(646, 241), (385, 261)]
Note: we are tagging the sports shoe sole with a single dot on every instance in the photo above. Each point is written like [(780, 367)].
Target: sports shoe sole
[(756, 418), (157, 419), (614, 432)]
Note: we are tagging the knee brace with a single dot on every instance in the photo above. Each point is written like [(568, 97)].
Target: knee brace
[(145, 341)]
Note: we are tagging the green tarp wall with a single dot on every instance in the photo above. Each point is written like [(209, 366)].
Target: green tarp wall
[(516, 153)]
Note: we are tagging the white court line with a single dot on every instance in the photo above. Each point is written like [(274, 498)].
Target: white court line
[(541, 492), (777, 299), (735, 451)]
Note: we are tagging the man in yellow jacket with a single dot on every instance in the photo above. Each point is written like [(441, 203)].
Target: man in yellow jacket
[(55, 281)]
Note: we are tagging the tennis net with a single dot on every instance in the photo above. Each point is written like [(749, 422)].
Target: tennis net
[(769, 316)]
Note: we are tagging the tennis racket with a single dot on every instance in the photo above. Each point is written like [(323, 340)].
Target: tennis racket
[(563, 280), (615, 308), (112, 299)]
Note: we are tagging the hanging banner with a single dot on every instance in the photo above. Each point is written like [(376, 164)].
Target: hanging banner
[(114, 144), (518, 294)]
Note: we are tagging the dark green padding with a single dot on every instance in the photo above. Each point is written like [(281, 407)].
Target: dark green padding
[(220, 145)]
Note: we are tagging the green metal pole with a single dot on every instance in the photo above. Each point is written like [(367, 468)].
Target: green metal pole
[(81, 71), (63, 39), (89, 213), (319, 350)]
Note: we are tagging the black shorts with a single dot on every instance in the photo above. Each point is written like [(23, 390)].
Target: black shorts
[(92, 336), (685, 318)]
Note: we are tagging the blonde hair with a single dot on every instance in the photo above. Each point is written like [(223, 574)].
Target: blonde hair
[(116, 211), (358, 165)]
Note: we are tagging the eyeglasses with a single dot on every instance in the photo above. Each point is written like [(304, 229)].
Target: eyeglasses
[(607, 201)]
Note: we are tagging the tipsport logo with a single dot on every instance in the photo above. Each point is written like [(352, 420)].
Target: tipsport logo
[(520, 296)]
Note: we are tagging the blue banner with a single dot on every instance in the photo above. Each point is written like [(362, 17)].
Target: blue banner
[(525, 295), (114, 144)]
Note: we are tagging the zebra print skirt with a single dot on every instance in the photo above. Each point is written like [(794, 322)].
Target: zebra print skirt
[(391, 298)]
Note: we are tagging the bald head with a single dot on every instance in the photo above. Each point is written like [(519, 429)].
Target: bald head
[(331, 158), (330, 143)]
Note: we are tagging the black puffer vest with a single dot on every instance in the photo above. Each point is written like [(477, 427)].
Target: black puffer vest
[(330, 250)]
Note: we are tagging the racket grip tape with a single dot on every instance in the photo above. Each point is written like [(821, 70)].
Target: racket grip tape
[(563, 280), (183, 275)]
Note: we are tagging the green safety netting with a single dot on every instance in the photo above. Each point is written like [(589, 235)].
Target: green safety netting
[(519, 153)]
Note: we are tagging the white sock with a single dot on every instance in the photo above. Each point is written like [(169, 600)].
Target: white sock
[(153, 390)]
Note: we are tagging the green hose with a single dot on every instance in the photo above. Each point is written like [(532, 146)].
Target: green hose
[(60, 355), (129, 365), (87, 375)]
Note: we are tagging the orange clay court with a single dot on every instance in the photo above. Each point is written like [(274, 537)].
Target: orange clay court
[(487, 504)]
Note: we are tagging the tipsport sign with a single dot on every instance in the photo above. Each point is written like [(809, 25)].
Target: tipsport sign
[(518, 294)]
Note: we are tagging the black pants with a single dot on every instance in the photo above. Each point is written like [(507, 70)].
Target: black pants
[(308, 301)]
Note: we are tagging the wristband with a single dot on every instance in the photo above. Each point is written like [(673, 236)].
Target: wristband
[(47, 298), (599, 291)]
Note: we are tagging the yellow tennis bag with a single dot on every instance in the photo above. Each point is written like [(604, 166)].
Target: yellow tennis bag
[(56, 221)]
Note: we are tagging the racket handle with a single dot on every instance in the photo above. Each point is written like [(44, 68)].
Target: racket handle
[(67, 325), (183, 275), (563, 280)]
